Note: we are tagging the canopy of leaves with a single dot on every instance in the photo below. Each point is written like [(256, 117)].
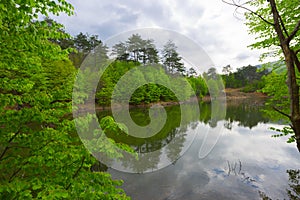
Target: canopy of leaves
[(266, 36), (136, 49), (249, 77), (41, 155), (171, 59)]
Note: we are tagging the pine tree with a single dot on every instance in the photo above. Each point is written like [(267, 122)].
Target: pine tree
[(171, 59)]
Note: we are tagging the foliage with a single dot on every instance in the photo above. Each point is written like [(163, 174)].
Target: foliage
[(136, 49), (214, 81), (199, 86), (108, 124), (171, 59), (278, 103), (109, 79), (266, 35), (294, 179), (80, 45), (213, 88), (293, 191), (41, 155), (130, 54), (85, 44), (227, 70), (275, 87), (148, 93), (248, 77), (285, 132), (277, 26), (99, 141)]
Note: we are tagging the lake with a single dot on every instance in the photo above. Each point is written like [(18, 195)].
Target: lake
[(244, 162)]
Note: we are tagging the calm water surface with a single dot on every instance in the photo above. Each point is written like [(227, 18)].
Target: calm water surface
[(245, 161)]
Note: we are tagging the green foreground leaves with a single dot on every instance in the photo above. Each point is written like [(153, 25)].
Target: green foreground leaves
[(41, 155)]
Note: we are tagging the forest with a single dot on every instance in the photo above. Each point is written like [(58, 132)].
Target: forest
[(136, 51)]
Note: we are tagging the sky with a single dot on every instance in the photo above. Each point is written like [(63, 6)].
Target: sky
[(211, 24)]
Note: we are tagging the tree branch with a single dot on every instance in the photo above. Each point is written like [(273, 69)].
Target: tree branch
[(277, 27), (283, 26), (77, 171), (247, 9), (61, 101), (294, 32), (296, 60), (16, 172), (9, 142), (276, 109)]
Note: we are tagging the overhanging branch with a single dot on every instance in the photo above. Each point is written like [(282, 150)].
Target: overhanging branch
[(247, 9), (283, 26), (294, 32), (9, 142), (77, 171), (279, 111)]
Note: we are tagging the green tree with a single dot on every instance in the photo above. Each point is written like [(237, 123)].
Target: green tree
[(275, 87), (248, 77), (85, 44), (150, 53), (191, 72), (277, 23), (213, 88), (136, 49), (211, 73), (120, 51), (199, 86), (227, 69), (171, 59), (64, 43), (41, 155), (135, 44)]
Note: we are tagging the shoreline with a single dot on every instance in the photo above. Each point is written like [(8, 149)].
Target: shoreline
[(232, 95)]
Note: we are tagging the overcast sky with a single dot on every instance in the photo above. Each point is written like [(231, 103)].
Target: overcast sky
[(210, 23)]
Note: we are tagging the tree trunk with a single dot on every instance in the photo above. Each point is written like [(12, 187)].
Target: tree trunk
[(294, 93), (290, 60)]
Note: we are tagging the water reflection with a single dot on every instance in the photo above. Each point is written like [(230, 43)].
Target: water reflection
[(245, 160), (245, 114), (293, 190), (166, 146)]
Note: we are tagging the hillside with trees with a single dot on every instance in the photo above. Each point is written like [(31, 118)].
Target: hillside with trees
[(130, 54), (249, 78)]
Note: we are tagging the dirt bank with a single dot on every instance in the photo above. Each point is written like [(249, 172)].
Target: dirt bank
[(235, 94)]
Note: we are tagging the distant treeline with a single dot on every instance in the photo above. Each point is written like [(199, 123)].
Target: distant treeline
[(249, 78), (136, 51)]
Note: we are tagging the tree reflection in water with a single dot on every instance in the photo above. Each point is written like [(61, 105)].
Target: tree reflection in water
[(259, 168), (175, 129), (293, 191)]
